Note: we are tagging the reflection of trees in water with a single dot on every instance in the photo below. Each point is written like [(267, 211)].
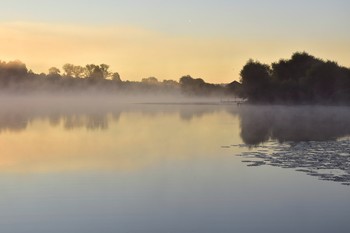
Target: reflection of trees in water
[(19, 121), (310, 135), (95, 119), (259, 124), (189, 115), (186, 111), (13, 122)]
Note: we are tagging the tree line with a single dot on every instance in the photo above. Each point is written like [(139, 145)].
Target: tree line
[(15, 76), (302, 79)]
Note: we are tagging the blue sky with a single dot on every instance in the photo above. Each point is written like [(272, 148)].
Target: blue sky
[(320, 21)]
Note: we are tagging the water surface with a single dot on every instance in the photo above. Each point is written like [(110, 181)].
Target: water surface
[(165, 168)]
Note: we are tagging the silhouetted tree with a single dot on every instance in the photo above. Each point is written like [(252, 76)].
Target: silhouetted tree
[(94, 72), (190, 85), (288, 77), (295, 68), (234, 88), (321, 81), (301, 79), (150, 80), (97, 72), (255, 79), (54, 74), (170, 83), (12, 72), (78, 71), (105, 70), (68, 69), (116, 77), (198, 87), (54, 71)]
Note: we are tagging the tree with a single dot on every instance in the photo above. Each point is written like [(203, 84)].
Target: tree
[(13, 71), (93, 71), (192, 86), (97, 72), (234, 88), (321, 81), (170, 83), (105, 70), (68, 69), (150, 80), (189, 81), (73, 70), (116, 77), (255, 79), (78, 71), (54, 71), (294, 68)]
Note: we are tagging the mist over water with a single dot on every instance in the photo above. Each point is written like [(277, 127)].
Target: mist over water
[(81, 110), (258, 124)]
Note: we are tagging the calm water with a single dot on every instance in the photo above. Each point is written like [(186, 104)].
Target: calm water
[(172, 168)]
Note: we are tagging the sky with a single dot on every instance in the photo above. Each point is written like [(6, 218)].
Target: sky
[(168, 39)]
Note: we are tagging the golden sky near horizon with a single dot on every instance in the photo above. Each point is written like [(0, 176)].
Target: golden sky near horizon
[(138, 53), (168, 39)]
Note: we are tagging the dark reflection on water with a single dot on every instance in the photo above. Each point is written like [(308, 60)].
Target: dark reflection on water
[(260, 124), (19, 121), (75, 116), (303, 138)]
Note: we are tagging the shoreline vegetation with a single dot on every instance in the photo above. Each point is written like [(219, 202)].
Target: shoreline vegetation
[(303, 80), (97, 80), (300, 80)]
